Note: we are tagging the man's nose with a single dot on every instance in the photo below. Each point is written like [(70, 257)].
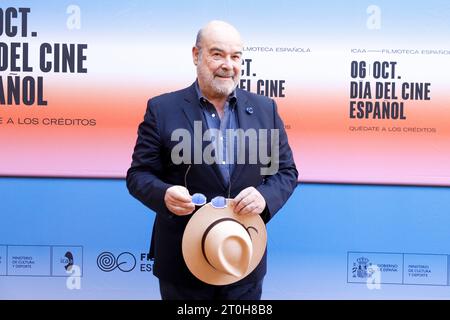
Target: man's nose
[(227, 63)]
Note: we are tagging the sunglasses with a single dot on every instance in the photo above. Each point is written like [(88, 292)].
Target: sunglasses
[(199, 199)]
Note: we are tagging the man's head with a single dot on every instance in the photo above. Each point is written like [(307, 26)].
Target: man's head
[(217, 55)]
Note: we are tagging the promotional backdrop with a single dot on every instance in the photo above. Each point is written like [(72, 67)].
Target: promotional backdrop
[(357, 82), (362, 88)]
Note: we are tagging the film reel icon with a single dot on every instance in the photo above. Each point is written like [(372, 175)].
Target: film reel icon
[(107, 262)]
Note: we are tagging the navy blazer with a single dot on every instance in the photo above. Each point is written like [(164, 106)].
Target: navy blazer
[(152, 171)]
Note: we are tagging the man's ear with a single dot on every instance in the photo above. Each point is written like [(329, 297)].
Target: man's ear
[(195, 53)]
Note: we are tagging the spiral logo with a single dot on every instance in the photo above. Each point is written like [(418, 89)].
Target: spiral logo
[(106, 261)]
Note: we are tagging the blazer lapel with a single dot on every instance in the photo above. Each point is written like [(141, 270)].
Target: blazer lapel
[(191, 108), (245, 122), (193, 113)]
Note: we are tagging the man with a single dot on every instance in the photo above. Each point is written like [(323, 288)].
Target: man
[(165, 185)]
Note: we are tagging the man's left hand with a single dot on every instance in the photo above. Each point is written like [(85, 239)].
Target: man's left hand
[(249, 201)]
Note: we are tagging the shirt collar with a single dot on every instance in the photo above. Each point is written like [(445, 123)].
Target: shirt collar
[(232, 98)]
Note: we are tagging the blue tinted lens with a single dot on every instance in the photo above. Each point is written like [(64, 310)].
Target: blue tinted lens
[(219, 202), (198, 199)]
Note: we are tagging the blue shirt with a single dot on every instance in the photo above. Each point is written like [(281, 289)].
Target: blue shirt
[(226, 162)]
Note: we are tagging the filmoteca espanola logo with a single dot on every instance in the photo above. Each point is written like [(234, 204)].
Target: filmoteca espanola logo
[(69, 261), (107, 262)]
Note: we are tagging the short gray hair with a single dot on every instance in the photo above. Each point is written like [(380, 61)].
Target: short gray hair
[(198, 40)]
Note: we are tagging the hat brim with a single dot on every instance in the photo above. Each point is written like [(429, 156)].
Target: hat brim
[(192, 242)]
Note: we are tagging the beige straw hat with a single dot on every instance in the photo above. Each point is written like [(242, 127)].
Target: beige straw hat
[(220, 247)]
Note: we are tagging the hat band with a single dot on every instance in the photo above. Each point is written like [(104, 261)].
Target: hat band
[(212, 225)]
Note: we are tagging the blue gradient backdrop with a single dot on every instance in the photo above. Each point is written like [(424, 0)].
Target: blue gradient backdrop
[(308, 239)]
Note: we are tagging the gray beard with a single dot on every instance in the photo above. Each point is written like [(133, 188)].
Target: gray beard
[(222, 90)]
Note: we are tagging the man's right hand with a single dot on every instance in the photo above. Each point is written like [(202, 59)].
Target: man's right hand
[(179, 201)]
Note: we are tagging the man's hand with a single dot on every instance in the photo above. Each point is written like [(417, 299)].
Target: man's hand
[(179, 201), (249, 201)]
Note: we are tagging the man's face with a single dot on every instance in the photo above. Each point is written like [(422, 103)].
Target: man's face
[(218, 66)]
